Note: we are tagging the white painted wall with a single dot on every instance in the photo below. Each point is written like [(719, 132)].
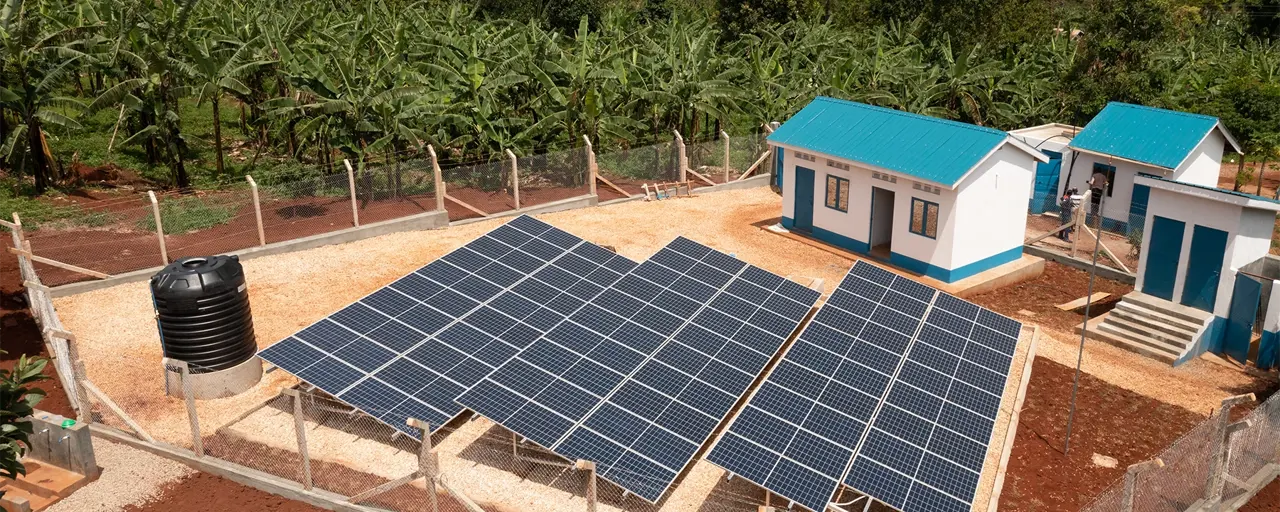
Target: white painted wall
[(1248, 237), (991, 213), (1204, 164), (1201, 167), (996, 196)]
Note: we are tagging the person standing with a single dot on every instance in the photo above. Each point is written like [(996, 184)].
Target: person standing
[(1097, 185), (1068, 203)]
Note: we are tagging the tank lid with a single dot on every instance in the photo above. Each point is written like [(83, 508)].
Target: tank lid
[(203, 274)]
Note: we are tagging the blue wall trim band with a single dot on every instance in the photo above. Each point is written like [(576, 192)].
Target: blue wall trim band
[(1210, 341), (788, 222), (839, 240), (956, 274)]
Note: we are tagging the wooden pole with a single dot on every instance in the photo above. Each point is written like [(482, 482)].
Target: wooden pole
[(439, 177), (1131, 479), (351, 184), (41, 259), (682, 160), (592, 171), (755, 165), (17, 227), (300, 428), (515, 178), (155, 210), (112, 142), (115, 409), (257, 209), (184, 373), (725, 136), (590, 468)]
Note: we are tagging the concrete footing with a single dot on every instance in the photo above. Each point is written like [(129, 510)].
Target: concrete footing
[(219, 384)]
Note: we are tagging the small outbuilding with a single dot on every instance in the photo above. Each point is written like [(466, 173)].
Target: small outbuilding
[(936, 197), (1204, 277), (1126, 141), (1051, 139)]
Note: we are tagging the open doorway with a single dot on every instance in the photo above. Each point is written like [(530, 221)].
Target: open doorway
[(881, 222)]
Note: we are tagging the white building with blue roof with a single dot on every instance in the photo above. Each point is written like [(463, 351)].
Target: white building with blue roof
[(936, 197), (1126, 141)]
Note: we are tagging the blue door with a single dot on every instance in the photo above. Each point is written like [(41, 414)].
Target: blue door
[(1240, 319), (778, 154), (1138, 206), (1204, 268), (1045, 194), (1162, 257), (804, 199)]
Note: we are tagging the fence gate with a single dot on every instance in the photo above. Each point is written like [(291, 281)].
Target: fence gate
[(1245, 299)]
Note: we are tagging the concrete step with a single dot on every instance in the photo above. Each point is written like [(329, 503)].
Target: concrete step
[(48, 480), (1175, 325), (1098, 334), (1168, 308), (1150, 344), (1139, 334), (1155, 328)]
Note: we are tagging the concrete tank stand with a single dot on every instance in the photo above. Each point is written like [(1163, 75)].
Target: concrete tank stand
[(206, 386)]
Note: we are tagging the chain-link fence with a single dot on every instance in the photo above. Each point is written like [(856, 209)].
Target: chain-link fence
[(629, 168), (1217, 462)]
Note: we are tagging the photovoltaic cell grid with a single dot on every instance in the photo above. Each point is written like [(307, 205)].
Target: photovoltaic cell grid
[(895, 354), (638, 379), (410, 348)]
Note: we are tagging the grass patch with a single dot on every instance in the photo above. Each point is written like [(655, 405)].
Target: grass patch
[(36, 212), (187, 214)]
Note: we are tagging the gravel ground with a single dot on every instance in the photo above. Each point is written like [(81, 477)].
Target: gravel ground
[(129, 477)]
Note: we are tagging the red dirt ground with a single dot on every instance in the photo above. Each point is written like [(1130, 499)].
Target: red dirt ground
[(19, 335), (1267, 500), (1057, 285), (202, 492)]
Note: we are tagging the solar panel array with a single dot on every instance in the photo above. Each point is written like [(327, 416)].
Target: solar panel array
[(892, 389), (409, 349), (638, 378)]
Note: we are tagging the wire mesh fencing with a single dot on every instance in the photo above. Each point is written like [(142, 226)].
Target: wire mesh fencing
[(630, 167), (1197, 462), (549, 177)]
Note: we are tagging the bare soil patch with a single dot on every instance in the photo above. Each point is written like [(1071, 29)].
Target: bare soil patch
[(1109, 421), (203, 492), (1057, 285)]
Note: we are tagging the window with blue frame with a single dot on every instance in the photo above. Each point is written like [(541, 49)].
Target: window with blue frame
[(924, 218), (837, 193)]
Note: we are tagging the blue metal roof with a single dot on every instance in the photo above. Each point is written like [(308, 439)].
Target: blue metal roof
[(925, 147), (1154, 136), (1216, 189)]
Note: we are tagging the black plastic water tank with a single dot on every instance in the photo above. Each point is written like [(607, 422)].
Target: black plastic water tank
[(202, 309)]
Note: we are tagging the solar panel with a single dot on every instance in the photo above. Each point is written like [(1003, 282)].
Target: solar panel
[(646, 371), (410, 348), (892, 389)]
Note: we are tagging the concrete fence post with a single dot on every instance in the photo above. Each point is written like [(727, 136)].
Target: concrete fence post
[(188, 395), (257, 209), (591, 165), (682, 161), (1131, 479), (351, 185), (725, 136), (590, 468), (1220, 450), (439, 177), (428, 461), (515, 177), (300, 429), (155, 211)]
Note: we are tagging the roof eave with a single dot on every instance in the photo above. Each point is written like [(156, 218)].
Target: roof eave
[(1120, 158)]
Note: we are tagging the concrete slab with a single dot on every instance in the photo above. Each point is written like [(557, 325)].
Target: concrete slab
[(1023, 269)]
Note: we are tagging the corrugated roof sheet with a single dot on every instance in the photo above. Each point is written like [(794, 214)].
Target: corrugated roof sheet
[(925, 147), (1150, 135), (1223, 191)]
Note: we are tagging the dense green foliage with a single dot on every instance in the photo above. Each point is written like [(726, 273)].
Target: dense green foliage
[(17, 401), (315, 82)]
